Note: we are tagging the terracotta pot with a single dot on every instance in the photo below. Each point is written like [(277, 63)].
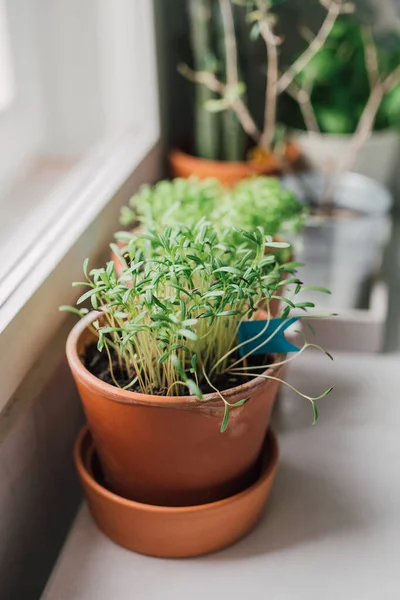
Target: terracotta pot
[(228, 172), (169, 450), (173, 532)]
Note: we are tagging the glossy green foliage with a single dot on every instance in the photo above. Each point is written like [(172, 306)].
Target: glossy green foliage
[(340, 83)]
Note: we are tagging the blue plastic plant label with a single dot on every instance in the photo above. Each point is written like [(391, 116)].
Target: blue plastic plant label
[(258, 338)]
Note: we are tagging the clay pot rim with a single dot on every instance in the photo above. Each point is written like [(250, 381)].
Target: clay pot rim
[(99, 490), (258, 168), (128, 397)]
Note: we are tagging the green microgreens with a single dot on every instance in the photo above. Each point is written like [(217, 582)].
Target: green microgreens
[(260, 201), (172, 317), (169, 202)]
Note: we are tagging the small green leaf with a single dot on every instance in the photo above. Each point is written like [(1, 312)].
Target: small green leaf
[(135, 266), (305, 305), (292, 265), (159, 303), (82, 283), (88, 294), (190, 335), (94, 302), (316, 288), (164, 357), (289, 281), (255, 31), (240, 403), (100, 342), (231, 270), (235, 91), (285, 300), (76, 311), (315, 413), (194, 389), (109, 329), (225, 420), (86, 268), (189, 322), (110, 268), (177, 364)]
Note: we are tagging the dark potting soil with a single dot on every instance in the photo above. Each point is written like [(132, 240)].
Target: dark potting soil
[(97, 363)]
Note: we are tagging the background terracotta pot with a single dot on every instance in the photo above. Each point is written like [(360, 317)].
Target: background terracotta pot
[(169, 450), (228, 172)]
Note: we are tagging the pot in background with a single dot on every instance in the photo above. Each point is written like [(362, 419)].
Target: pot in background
[(228, 172), (343, 251), (173, 532), (378, 157), (169, 450)]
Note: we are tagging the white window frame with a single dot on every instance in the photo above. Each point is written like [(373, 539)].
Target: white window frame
[(80, 227), (7, 87)]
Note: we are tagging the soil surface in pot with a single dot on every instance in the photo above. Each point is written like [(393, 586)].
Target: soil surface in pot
[(98, 364)]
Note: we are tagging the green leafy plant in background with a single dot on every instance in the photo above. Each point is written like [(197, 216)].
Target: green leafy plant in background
[(226, 85), (171, 318), (166, 203), (261, 201), (342, 76)]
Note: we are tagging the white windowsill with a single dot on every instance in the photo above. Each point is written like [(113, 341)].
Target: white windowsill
[(332, 522), (34, 287)]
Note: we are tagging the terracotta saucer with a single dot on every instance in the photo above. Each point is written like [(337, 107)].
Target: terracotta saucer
[(173, 532)]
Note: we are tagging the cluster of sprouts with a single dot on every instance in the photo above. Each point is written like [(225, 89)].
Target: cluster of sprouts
[(171, 318)]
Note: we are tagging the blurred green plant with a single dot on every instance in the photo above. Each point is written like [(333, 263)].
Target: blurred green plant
[(342, 75), (226, 90), (167, 203), (256, 202), (261, 202)]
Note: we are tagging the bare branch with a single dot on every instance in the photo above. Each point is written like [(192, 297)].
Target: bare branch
[(204, 77), (230, 42), (232, 75), (391, 80), (367, 119), (334, 8), (371, 57), (246, 120), (271, 43), (211, 81), (303, 98)]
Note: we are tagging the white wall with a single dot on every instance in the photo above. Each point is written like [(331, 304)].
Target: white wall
[(68, 43), (22, 124)]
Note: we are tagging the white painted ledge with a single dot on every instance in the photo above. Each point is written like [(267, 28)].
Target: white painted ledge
[(331, 529), (87, 216)]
